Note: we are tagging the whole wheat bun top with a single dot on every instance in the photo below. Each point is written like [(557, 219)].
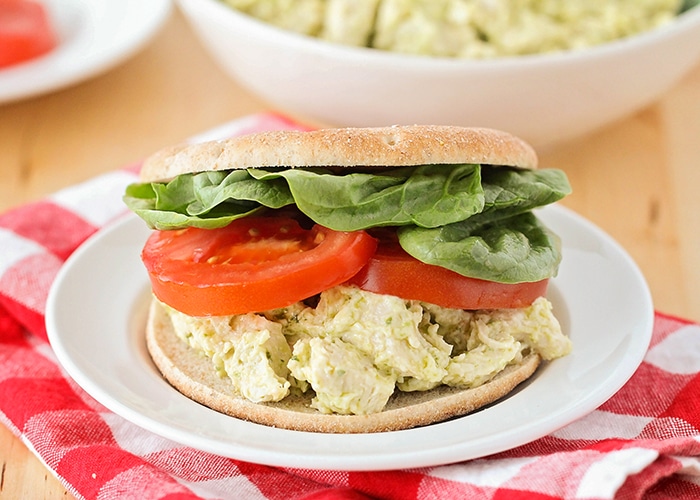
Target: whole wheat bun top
[(344, 147)]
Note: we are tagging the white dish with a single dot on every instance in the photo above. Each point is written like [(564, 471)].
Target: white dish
[(543, 98), (96, 311), (94, 36)]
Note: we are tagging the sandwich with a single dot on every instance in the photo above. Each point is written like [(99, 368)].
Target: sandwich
[(350, 280)]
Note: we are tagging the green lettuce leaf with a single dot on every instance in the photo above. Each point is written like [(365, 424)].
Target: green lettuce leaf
[(510, 250), (428, 196), (206, 200), (510, 191), (688, 4)]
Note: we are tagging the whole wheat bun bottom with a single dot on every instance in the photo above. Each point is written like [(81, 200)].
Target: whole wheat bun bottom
[(194, 376)]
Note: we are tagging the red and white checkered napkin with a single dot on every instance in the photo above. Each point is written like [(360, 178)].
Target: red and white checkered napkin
[(642, 443)]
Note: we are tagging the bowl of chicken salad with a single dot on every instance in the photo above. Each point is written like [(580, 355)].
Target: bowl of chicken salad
[(544, 70)]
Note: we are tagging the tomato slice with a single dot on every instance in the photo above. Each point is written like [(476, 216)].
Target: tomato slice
[(392, 271), (253, 264), (25, 31)]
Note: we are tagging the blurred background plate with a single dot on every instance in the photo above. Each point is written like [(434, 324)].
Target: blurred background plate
[(94, 36)]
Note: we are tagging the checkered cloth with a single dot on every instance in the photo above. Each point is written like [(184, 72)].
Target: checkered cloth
[(642, 443)]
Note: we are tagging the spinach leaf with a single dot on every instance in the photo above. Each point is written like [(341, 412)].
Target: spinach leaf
[(212, 189), (689, 4), (206, 200), (428, 195), (144, 202), (510, 191), (509, 250)]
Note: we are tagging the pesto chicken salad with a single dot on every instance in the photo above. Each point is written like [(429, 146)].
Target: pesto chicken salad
[(466, 28), (355, 348)]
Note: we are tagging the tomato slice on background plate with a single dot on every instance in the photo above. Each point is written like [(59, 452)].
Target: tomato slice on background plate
[(392, 271), (254, 264), (25, 31)]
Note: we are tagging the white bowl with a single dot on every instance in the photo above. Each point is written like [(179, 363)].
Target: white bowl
[(542, 98)]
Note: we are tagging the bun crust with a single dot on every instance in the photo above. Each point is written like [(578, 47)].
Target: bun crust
[(344, 147), (195, 377)]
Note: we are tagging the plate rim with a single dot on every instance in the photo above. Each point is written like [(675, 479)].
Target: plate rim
[(446, 453)]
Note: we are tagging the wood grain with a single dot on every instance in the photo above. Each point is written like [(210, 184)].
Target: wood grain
[(638, 179)]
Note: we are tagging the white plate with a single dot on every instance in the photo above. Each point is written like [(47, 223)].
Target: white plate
[(96, 311), (94, 36)]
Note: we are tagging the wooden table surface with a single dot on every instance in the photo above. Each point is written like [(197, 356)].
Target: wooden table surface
[(638, 179)]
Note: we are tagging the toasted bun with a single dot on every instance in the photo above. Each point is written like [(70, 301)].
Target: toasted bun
[(344, 147), (195, 377)]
